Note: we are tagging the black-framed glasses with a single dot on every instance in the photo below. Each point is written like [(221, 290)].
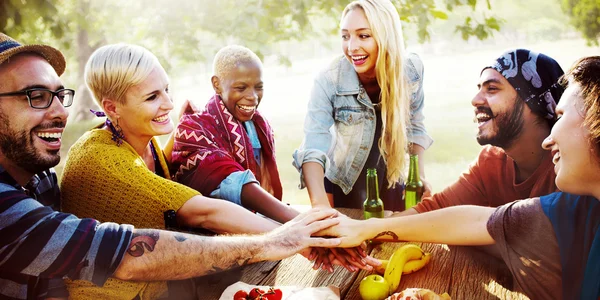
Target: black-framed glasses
[(42, 98)]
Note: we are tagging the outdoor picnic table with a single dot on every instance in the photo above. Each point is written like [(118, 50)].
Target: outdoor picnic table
[(462, 272)]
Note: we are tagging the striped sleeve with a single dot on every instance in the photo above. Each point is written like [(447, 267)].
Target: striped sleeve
[(38, 241)]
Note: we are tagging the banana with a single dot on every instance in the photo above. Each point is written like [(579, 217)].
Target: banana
[(381, 268), (416, 265), (395, 266), (410, 267)]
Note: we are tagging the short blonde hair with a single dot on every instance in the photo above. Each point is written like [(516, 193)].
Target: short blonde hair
[(113, 69), (384, 20), (230, 57)]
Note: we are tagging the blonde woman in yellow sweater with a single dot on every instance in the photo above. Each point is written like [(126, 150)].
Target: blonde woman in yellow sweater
[(118, 172)]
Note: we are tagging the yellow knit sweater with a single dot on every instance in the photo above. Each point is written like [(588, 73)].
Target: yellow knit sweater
[(111, 183)]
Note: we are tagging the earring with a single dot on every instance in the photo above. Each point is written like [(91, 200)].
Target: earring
[(117, 132)]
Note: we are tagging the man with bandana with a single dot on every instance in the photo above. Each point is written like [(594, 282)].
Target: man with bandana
[(514, 111)]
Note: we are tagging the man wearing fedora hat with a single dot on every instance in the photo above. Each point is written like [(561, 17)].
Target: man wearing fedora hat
[(39, 245), (514, 111)]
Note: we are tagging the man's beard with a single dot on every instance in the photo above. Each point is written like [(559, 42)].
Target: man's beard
[(18, 147), (508, 126)]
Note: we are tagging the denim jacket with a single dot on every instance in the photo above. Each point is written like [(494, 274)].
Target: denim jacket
[(340, 123)]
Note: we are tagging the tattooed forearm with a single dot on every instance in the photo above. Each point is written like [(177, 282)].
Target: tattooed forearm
[(390, 233), (143, 240), (180, 237), (236, 264)]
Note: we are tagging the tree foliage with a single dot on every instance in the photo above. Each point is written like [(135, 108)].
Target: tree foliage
[(585, 16), (181, 31), (185, 30), (29, 19)]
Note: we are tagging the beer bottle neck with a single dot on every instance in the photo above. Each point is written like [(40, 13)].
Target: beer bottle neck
[(413, 171), (372, 187)]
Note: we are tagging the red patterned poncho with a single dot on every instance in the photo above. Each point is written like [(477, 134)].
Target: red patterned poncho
[(212, 144)]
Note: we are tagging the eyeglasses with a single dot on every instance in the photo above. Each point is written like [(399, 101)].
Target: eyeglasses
[(42, 98)]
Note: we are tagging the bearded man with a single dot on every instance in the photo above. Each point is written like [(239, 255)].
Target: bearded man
[(514, 111)]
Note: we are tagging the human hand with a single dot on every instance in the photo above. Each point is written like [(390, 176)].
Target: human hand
[(427, 189), (187, 107), (323, 260), (351, 232), (354, 259), (320, 256), (296, 234)]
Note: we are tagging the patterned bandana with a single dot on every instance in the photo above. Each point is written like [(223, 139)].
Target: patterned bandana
[(535, 78)]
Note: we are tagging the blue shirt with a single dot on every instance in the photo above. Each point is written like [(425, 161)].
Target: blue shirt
[(575, 220), (41, 246), (230, 188)]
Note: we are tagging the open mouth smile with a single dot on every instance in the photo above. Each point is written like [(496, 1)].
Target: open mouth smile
[(247, 108), (52, 140), (162, 119), (359, 59)]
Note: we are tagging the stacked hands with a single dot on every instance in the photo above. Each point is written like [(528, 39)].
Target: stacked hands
[(353, 259), (319, 235)]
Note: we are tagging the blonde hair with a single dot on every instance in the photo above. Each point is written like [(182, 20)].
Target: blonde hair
[(389, 69), (113, 69), (230, 57)]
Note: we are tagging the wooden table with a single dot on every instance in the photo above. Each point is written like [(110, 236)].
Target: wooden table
[(462, 272)]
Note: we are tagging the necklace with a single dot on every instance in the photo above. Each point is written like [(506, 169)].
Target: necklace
[(154, 158)]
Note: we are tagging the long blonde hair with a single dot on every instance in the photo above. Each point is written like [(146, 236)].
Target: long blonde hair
[(389, 69)]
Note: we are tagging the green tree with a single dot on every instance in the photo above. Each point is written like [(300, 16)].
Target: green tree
[(585, 16), (180, 31)]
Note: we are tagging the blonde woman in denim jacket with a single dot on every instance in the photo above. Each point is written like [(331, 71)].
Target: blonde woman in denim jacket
[(365, 111)]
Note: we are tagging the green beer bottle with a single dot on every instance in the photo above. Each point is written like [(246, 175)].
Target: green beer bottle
[(413, 190), (373, 206)]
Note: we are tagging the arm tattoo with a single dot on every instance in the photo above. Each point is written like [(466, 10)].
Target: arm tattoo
[(179, 237), (143, 240), (390, 233)]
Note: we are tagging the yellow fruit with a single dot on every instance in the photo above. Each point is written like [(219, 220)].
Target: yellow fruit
[(410, 267), (417, 264), (381, 269), (393, 272), (374, 287)]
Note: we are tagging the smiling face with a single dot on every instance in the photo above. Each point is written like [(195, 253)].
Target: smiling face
[(241, 89), (498, 110), (358, 43), (575, 164), (145, 111), (30, 138)]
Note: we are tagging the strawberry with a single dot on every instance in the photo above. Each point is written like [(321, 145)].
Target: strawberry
[(240, 295)]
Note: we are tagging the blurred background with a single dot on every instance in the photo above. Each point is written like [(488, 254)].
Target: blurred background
[(296, 39)]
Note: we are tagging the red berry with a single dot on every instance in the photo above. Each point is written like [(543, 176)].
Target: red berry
[(240, 295), (273, 294), (255, 293), (278, 294)]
